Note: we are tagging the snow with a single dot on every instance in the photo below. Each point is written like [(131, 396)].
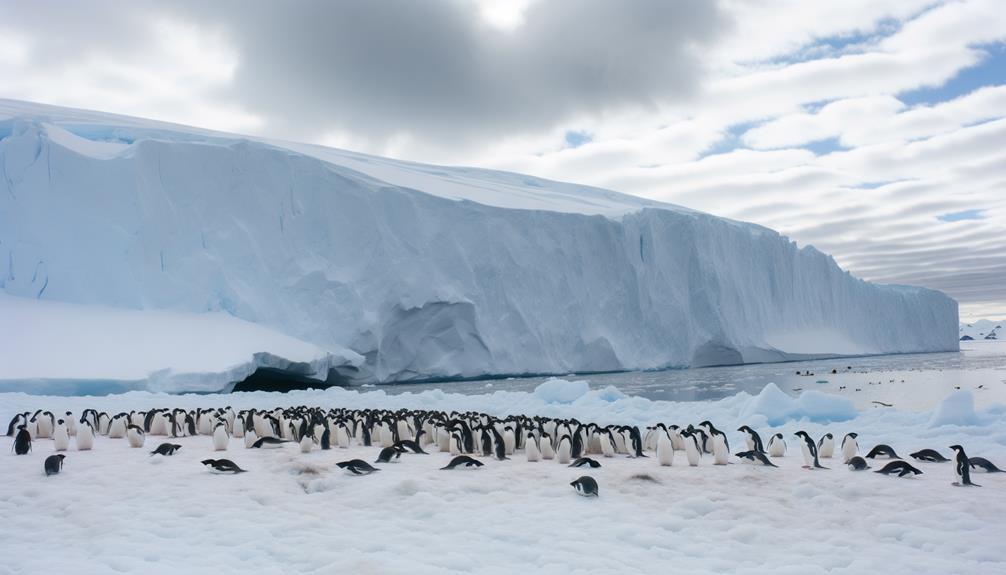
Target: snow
[(60, 342), (957, 409), (117, 509), (425, 271), (983, 329), (557, 390), (777, 407)]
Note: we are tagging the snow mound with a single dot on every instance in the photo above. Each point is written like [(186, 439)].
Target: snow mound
[(957, 409), (777, 407), (556, 390)]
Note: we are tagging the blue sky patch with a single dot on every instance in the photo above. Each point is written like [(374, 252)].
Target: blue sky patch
[(962, 215)]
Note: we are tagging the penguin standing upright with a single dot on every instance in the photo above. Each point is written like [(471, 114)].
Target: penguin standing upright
[(22, 441), (752, 439), (85, 436), (665, 448), (692, 450), (250, 438), (220, 437), (563, 450), (777, 445), (306, 443), (962, 467), (607, 443), (531, 448), (850, 448), (826, 446), (60, 436), (545, 445), (71, 424), (721, 449), (809, 450), (135, 435)]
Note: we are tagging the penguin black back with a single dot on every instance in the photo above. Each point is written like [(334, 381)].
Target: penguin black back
[(882, 450), (463, 460), (929, 455), (902, 468), (53, 464), (22, 441)]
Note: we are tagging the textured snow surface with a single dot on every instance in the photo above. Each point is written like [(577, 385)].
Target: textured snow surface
[(425, 271), (115, 509)]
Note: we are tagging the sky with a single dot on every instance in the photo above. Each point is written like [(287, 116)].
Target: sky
[(874, 130)]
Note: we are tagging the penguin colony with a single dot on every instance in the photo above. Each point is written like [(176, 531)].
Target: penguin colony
[(464, 435)]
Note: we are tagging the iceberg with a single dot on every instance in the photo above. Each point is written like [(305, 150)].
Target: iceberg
[(418, 271)]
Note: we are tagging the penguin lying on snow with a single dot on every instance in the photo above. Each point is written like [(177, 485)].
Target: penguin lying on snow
[(166, 449), (930, 455), (387, 454), (410, 445), (882, 451), (756, 456), (857, 463), (53, 464), (268, 442), (962, 467), (585, 486), (463, 460), (581, 461), (222, 466), (902, 468), (357, 467), (985, 464)]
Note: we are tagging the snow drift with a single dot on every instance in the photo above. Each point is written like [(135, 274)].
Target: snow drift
[(424, 271)]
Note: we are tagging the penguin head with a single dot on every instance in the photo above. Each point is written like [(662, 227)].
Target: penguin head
[(61, 457), (957, 448), (802, 434), (853, 435), (829, 436), (209, 462), (743, 428)]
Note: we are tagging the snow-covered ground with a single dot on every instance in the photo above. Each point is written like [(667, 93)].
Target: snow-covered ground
[(115, 509), (983, 329)]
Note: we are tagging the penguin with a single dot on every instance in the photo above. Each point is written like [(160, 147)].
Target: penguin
[(135, 435), (692, 450), (325, 440), (809, 450), (499, 444), (408, 444), (754, 455), (563, 450), (220, 437), (117, 427), (585, 486), (306, 443), (545, 446), (268, 442), (826, 446), (238, 427), (509, 440), (342, 436), (752, 439), (388, 455), (607, 443), (857, 463), (882, 451), (457, 446), (930, 455), (18, 419), (581, 461), (222, 466), (61, 436), (71, 424), (531, 449), (46, 423), (53, 464), (166, 449), (665, 449), (22, 441), (985, 464), (85, 435), (463, 460), (849, 446), (902, 468), (777, 445), (250, 437), (721, 449), (357, 467), (962, 467)]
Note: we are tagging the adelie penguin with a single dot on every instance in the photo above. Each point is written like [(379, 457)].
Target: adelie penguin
[(408, 444), (585, 486), (756, 456), (222, 466), (752, 439), (53, 464), (268, 442), (962, 467), (882, 450), (581, 461), (857, 463), (135, 435), (930, 455), (22, 441), (388, 454), (357, 467), (166, 449), (826, 446), (849, 446), (902, 468), (777, 445), (463, 460), (61, 436), (809, 450), (983, 463)]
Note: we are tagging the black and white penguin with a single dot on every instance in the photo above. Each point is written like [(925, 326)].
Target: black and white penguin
[(809, 450), (607, 443), (268, 442), (776, 445), (531, 449), (826, 446), (754, 455), (357, 467), (882, 450), (849, 446), (752, 439), (988, 466), (166, 449), (857, 463), (18, 419), (721, 448), (581, 461), (463, 460), (693, 452), (85, 435), (902, 468), (388, 455), (222, 466), (962, 467), (220, 437), (563, 451), (135, 435), (53, 464), (22, 441), (61, 436), (545, 446), (410, 445), (930, 455), (665, 448), (585, 486)]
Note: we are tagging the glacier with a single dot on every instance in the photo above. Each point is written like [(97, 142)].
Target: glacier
[(414, 272)]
